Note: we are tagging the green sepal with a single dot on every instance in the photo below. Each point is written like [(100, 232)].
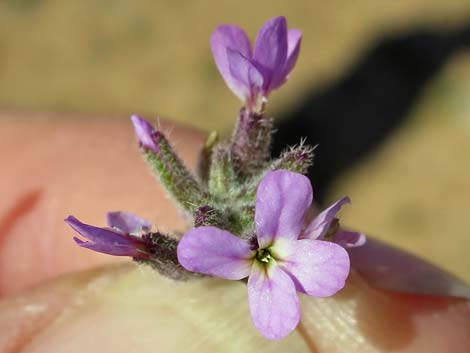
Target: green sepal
[(222, 178), (163, 256), (296, 159)]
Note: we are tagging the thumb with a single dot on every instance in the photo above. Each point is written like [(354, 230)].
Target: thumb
[(131, 309)]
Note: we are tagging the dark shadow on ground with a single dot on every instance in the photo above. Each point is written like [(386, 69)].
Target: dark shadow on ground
[(350, 118)]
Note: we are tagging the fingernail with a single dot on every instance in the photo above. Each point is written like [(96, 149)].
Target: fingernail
[(390, 268)]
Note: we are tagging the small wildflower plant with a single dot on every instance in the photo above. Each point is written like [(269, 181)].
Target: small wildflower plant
[(248, 212)]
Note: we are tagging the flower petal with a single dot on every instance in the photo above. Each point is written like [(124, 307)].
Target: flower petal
[(274, 304), (215, 252), (349, 239), (294, 39), (128, 223), (246, 73), (116, 250), (97, 234), (282, 200), (105, 240), (388, 267), (320, 225), (145, 132), (318, 268), (271, 49), (230, 37)]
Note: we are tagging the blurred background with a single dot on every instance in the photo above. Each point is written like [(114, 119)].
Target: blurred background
[(382, 86)]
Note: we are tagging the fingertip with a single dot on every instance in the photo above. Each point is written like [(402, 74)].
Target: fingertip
[(364, 319)]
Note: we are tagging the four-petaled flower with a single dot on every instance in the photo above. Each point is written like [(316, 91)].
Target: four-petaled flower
[(280, 260), (121, 238), (253, 74)]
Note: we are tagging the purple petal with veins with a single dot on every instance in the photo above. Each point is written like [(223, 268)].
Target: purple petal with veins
[(234, 38), (294, 39), (318, 268), (215, 252), (282, 201), (274, 304), (270, 50), (245, 72)]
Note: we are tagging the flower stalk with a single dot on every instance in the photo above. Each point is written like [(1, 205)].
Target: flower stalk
[(166, 164), (251, 142)]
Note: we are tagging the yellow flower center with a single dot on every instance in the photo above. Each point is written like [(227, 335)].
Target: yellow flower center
[(263, 255)]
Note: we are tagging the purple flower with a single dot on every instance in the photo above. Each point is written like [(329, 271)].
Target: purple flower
[(252, 75), (148, 136), (277, 262), (326, 226), (122, 238)]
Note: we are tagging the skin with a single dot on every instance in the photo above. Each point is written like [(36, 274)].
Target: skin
[(57, 297)]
